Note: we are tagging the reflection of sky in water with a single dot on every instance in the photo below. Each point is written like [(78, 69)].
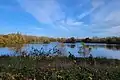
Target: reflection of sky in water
[(103, 52), (5, 51), (98, 50)]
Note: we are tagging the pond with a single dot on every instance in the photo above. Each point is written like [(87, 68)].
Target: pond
[(97, 50)]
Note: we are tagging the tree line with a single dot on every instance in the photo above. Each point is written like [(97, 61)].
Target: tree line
[(17, 38), (107, 40)]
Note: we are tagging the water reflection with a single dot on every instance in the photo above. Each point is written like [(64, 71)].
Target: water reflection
[(71, 45), (84, 51), (107, 46), (113, 47), (61, 49), (17, 49), (110, 50)]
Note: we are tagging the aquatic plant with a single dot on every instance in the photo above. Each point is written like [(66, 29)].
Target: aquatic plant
[(84, 50)]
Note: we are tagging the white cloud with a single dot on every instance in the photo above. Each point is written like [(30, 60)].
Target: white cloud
[(72, 22), (64, 28), (106, 18), (113, 16), (97, 3), (81, 16), (113, 31), (50, 12), (45, 11)]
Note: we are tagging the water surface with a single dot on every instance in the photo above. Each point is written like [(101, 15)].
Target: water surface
[(97, 50)]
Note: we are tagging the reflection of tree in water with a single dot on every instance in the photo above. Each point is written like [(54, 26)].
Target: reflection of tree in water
[(113, 47), (71, 45), (1, 46), (17, 48), (96, 46), (107, 46)]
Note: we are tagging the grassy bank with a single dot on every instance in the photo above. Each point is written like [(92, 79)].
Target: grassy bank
[(58, 68)]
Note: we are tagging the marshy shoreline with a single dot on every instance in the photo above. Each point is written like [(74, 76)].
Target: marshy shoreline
[(58, 68)]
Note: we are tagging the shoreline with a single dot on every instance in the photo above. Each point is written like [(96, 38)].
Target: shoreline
[(58, 68)]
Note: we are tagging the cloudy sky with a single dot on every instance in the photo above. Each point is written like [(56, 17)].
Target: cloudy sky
[(61, 18)]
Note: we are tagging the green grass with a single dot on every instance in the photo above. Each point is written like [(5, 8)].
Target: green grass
[(58, 68)]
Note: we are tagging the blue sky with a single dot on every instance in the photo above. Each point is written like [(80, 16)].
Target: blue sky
[(61, 18)]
